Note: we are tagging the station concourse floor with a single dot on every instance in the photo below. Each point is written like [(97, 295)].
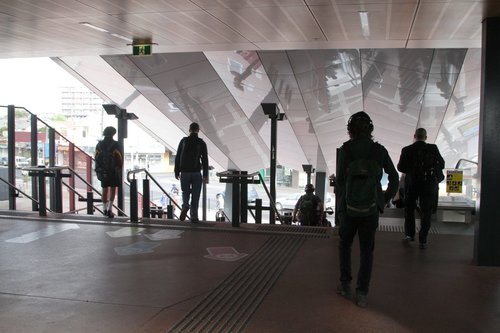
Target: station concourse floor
[(76, 274)]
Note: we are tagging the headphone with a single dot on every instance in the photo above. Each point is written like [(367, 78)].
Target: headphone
[(360, 116)]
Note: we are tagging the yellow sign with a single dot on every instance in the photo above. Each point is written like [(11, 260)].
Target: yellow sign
[(454, 180)]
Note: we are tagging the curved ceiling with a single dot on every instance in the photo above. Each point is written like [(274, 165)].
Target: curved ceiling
[(408, 63)]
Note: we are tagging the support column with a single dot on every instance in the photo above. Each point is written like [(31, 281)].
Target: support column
[(11, 154), (320, 185), (487, 235)]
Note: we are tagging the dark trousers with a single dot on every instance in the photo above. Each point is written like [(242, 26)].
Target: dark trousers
[(366, 228), (191, 187), (426, 198)]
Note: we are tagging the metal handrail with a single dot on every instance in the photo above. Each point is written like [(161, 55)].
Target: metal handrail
[(23, 193), (134, 172), (464, 160), (252, 175), (91, 187)]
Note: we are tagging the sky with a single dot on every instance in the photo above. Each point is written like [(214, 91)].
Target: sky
[(33, 83)]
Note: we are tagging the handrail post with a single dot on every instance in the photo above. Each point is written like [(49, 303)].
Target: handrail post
[(34, 160), (90, 203), (258, 211), (146, 211), (235, 202), (204, 202), (243, 197), (133, 201), (11, 154)]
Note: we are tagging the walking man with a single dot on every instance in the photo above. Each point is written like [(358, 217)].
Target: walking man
[(109, 162), (360, 165), (309, 207), (423, 167), (191, 159)]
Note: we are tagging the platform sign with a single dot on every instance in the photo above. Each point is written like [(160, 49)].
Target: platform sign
[(454, 181)]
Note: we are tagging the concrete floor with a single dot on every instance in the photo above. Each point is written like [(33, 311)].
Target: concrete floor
[(88, 275)]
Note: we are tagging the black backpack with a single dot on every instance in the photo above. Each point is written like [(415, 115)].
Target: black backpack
[(427, 169), (105, 162), (362, 184), (308, 210)]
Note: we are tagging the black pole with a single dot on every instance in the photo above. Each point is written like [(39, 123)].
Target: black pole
[(90, 203), (57, 192), (235, 202), (243, 197), (133, 201), (204, 202), (34, 160), (272, 185), (52, 163), (146, 211), (11, 154), (42, 211), (258, 211), (122, 134)]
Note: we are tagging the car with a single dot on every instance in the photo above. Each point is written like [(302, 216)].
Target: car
[(4, 160), (288, 202)]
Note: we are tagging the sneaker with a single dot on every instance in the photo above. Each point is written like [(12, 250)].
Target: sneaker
[(110, 214), (344, 290), (423, 246), (194, 220), (105, 213), (361, 300), (184, 212), (408, 239)]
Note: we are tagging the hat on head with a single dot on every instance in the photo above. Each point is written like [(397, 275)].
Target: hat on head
[(109, 131)]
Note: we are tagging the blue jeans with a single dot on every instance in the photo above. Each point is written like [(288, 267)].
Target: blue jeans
[(191, 187)]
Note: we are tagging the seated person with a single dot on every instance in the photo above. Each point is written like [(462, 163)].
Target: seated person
[(309, 208)]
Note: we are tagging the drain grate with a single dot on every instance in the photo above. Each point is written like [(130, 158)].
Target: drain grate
[(302, 230), (229, 307), (401, 229)]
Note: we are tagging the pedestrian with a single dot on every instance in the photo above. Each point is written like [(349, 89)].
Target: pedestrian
[(191, 159), (109, 162), (423, 166), (361, 163), (309, 208)]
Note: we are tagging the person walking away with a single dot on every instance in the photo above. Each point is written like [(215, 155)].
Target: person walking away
[(191, 159), (109, 162), (309, 208), (361, 163), (423, 166)]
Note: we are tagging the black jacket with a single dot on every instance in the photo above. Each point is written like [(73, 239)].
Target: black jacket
[(191, 155), (362, 148), (408, 159)]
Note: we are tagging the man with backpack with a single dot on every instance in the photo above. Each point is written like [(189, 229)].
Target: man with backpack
[(423, 167), (360, 165), (191, 158), (309, 208), (108, 168)]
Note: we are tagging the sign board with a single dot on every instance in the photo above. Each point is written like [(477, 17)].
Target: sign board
[(454, 181), (142, 49)]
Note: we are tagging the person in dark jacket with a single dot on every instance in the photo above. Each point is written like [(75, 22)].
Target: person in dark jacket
[(361, 146), (114, 179), (312, 217), (191, 159), (417, 188)]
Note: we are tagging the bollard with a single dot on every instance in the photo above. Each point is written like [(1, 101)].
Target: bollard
[(133, 201)]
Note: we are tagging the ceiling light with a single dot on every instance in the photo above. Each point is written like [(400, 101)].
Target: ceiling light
[(122, 37), (365, 26), (93, 27)]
